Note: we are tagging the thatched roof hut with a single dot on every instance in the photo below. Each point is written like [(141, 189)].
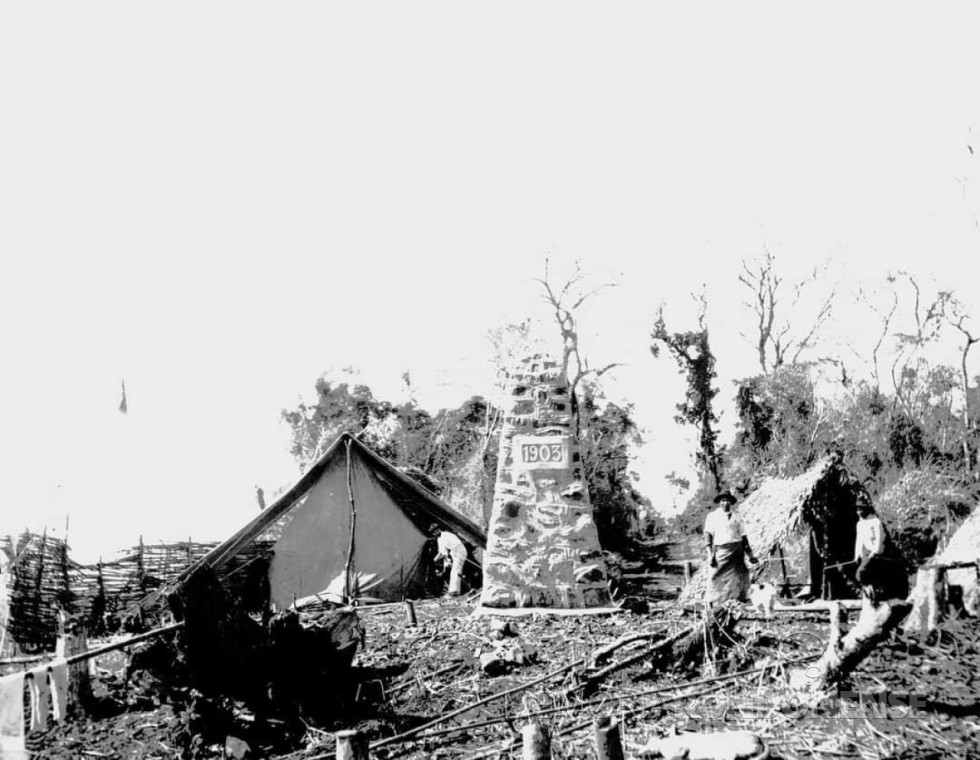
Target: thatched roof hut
[(798, 527), (922, 510), (964, 546)]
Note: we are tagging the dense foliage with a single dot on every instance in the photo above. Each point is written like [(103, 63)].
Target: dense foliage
[(454, 452), (608, 433), (448, 453)]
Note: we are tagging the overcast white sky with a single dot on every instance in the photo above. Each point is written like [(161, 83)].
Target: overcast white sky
[(217, 202)]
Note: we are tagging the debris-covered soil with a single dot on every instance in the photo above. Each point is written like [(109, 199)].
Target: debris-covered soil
[(909, 699)]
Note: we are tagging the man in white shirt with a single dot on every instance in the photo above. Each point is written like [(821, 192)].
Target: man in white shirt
[(869, 540), (727, 547), (451, 548), (881, 577)]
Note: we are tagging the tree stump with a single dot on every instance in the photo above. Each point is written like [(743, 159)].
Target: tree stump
[(930, 601), (537, 742), (608, 745), (351, 745), (79, 682), (410, 617)]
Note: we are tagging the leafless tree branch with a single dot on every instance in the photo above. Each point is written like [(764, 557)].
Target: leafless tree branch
[(573, 367)]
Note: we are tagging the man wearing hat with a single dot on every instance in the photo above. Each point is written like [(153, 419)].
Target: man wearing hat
[(728, 547)]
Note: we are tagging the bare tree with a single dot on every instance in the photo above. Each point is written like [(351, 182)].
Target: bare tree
[(565, 302), (777, 339), (927, 316), (885, 314), (956, 317)]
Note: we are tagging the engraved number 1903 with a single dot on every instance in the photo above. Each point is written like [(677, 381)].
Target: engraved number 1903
[(533, 453)]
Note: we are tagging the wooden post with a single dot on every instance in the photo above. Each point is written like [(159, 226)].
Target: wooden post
[(608, 745), (79, 685), (687, 571), (784, 590), (410, 618), (351, 745), (39, 578), (537, 742), (140, 569)]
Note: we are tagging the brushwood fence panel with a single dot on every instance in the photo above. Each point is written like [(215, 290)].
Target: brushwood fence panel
[(38, 586), (46, 585)]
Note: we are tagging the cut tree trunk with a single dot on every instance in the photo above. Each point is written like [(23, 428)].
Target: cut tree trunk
[(846, 651), (930, 601)]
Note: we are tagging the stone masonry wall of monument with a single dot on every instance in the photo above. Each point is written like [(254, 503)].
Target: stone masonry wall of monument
[(542, 544)]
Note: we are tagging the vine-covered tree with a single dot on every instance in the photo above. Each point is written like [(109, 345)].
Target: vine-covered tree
[(692, 352)]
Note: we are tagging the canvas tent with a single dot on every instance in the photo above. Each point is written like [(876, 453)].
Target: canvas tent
[(798, 528), (352, 515)]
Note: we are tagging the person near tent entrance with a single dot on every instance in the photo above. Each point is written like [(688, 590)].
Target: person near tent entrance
[(451, 550)]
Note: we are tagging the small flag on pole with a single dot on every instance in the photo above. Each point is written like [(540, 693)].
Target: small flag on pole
[(123, 407)]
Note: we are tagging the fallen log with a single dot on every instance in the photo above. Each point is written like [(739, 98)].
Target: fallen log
[(481, 611), (592, 679), (605, 701), (501, 751), (846, 651), (105, 649), (466, 708), (956, 565), (822, 605), (603, 653)]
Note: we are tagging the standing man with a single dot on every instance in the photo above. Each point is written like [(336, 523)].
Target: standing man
[(452, 549), (880, 576), (869, 540), (727, 547)]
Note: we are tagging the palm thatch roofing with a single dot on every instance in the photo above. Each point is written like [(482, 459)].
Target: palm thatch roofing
[(964, 546), (796, 527), (923, 509)]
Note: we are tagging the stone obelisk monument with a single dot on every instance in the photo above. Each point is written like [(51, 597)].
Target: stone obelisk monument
[(542, 544)]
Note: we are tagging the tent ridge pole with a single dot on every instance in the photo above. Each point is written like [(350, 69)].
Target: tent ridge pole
[(353, 521)]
